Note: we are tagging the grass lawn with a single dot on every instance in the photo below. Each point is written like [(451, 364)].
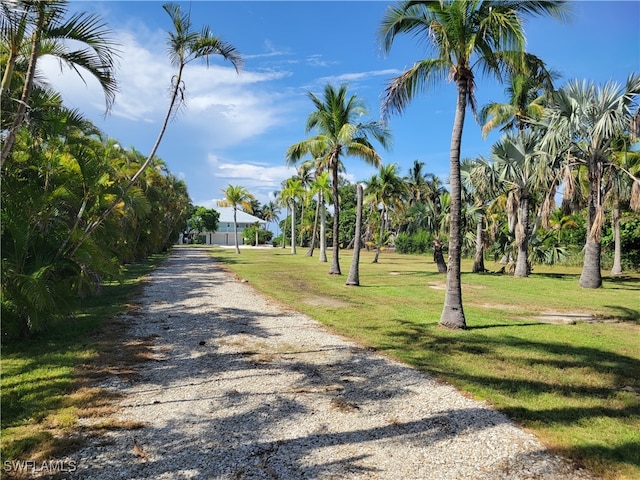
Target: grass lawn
[(575, 385), (44, 380)]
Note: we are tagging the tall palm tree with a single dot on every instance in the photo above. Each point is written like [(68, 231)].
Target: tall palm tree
[(623, 188), (236, 197), (322, 188), (465, 36), (386, 190), (584, 120), (33, 29), (292, 191), (337, 119), (183, 47)]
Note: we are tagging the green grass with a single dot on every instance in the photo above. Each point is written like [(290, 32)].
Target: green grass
[(575, 386), (41, 393)]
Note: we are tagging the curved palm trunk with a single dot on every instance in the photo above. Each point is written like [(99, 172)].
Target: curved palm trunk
[(93, 226), (335, 262), (379, 246), (438, 257), (323, 230), (591, 276), (617, 251), (452, 313), (354, 271), (315, 230), (478, 259), (235, 231), (293, 228), (522, 238)]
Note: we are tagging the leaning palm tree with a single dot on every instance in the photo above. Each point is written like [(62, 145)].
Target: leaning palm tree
[(465, 36), (236, 196), (30, 30), (584, 120), (183, 47), (337, 119)]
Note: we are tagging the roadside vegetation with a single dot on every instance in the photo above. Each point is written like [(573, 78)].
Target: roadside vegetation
[(562, 362), (48, 383)]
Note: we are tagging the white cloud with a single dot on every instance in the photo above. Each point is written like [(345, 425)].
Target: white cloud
[(221, 105)]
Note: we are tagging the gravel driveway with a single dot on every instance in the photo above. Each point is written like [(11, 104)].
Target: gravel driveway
[(240, 387)]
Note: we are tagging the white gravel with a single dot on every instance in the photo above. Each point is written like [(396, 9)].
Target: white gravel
[(272, 394)]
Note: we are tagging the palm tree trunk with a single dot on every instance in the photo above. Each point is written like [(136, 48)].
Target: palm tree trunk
[(438, 257), (335, 262), (591, 276), (617, 251), (354, 272), (284, 230), (522, 238), (323, 231), (293, 228), (379, 245), (235, 230), (315, 229), (478, 259), (452, 313)]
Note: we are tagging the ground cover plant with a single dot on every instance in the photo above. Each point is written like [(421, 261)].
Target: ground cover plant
[(47, 381), (561, 361)]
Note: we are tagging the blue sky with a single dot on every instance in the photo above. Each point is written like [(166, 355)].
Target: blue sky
[(235, 129)]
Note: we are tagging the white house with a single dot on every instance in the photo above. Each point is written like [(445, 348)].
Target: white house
[(224, 234)]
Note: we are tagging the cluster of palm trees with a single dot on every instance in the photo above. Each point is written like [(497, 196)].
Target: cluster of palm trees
[(76, 206), (557, 132)]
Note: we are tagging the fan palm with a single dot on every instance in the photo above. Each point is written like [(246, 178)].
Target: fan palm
[(465, 36), (340, 132), (584, 121)]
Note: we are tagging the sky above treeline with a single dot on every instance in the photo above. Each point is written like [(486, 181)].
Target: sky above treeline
[(235, 129)]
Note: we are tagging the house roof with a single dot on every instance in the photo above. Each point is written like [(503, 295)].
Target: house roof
[(226, 216)]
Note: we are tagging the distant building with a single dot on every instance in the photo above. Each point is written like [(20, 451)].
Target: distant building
[(224, 234)]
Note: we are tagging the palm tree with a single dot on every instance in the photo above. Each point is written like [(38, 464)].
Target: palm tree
[(353, 278), (33, 29), (583, 122), (236, 196), (623, 188), (270, 211), (184, 46), (385, 189), (526, 93), (337, 119), (465, 36), (522, 171), (322, 187), (291, 192), (480, 178)]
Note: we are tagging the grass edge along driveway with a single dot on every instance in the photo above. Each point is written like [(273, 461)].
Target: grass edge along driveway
[(561, 361)]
